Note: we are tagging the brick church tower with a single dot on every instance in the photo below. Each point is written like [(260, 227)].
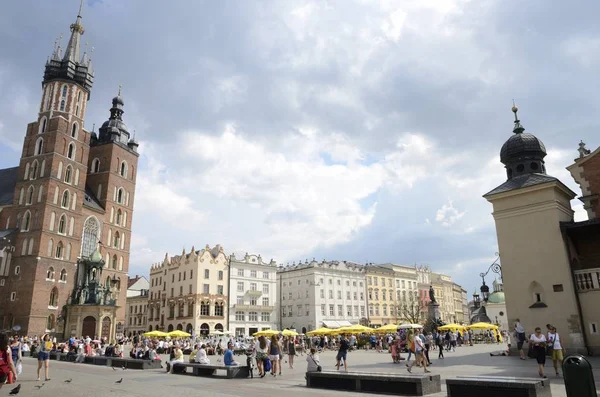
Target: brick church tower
[(70, 200)]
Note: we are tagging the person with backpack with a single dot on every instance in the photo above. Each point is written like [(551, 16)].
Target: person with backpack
[(7, 365), (418, 347)]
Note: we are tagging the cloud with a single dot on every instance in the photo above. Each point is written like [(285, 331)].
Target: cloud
[(447, 215)]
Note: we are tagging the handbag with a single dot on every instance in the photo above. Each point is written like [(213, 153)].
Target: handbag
[(19, 368)]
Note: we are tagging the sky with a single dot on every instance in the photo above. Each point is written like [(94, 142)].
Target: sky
[(360, 130)]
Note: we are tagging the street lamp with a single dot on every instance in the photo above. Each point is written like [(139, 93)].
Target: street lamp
[(494, 267)]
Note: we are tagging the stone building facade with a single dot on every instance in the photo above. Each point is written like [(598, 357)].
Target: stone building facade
[(322, 294), (136, 307), (189, 292), (71, 195), (253, 297)]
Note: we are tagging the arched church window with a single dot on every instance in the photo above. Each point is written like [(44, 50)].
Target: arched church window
[(95, 165), (63, 275), (114, 262), (53, 297), (68, 173), (74, 131), (26, 222), (89, 241), (62, 224), (120, 196), (65, 199), (42, 126), (117, 240), (34, 170), (59, 250), (50, 273), (29, 197), (71, 151), (119, 217), (39, 145), (123, 170)]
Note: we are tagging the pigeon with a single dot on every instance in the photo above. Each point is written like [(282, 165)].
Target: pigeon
[(69, 380), (114, 369), (40, 386), (119, 381), (16, 390)]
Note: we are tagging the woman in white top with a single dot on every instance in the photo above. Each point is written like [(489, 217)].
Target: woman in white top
[(201, 357), (557, 348), (312, 361), (538, 341)]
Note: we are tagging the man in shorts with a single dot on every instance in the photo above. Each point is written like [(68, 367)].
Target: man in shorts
[(343, 352)]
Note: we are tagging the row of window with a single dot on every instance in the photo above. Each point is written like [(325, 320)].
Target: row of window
[(62, 224), (252, 301), (182, 276), (69, 152), (253, 274), (122, 170), (374, 310), (31, 171), (241, 287), (119, 217), (322, 282), (351, 311), (401, 295), (371, 280), (253, 316)]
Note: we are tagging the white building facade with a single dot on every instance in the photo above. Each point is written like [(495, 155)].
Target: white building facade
[(136, 306), (318, 294), (253, 295)]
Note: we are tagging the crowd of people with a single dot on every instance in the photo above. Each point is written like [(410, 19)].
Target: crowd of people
[(268, 354)]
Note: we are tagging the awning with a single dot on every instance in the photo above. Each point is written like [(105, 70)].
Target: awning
[(336, 324)]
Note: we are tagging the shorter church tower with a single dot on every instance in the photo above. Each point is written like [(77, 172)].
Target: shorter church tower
[(528, 210)]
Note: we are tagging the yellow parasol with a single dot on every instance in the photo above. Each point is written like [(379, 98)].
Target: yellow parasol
[(287, 332), (156, 334), (320, 331), (451, 327), (482, 326), (178, 334), (266, 332), (353, 329)]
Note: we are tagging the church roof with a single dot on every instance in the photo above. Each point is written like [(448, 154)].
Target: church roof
[(8, 181), (90, 200), (520, 182), (496, 297)]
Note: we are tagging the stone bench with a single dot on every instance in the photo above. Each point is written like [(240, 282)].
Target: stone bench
[(402, 385), (237, 371), (53, 355), (497, 386), (98, 360), (135, 363), (67, 357)]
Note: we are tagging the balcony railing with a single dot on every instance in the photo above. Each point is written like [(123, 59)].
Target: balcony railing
[(253, 292), (587, 280)]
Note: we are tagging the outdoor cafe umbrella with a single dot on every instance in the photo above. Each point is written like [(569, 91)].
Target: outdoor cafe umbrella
[(387, 329), (266, 332), (178, 334), (410, 326), (156, 334), (353, 329), (218, 333), (288, 332), (320, 331), (482, 326), (451, 327)]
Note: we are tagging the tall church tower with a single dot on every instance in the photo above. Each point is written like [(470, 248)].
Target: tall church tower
[(528, 210), (69, 222), (50, 189)]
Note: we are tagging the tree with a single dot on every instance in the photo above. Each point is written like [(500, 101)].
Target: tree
[(412, 311)]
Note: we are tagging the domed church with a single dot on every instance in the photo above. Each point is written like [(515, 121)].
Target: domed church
[(550, 263)]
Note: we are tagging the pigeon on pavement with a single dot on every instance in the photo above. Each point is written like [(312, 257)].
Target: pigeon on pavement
[(16, 390), (69, 380), (119, 381)]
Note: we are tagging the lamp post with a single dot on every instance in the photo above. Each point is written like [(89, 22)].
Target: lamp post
[(494, 267)]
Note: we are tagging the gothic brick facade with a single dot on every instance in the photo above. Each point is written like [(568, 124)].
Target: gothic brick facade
[(68, 180)]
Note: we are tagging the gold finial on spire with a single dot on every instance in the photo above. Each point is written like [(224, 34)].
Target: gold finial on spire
[(515, 109)]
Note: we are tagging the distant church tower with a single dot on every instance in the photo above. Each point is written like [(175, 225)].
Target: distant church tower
[(528, 209), (73, 202)]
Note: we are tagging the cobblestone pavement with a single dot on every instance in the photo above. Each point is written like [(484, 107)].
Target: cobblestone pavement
[(89, 380)]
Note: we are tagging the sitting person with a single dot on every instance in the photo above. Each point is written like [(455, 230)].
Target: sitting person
[(201, 357), (228, 357), (312, 361), (193, 354), (109, 351), (177, 358)]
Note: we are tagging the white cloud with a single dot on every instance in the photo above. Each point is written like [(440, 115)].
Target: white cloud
[(447, 215)]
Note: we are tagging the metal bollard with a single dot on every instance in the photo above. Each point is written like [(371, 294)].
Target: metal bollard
[(579, 379)]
